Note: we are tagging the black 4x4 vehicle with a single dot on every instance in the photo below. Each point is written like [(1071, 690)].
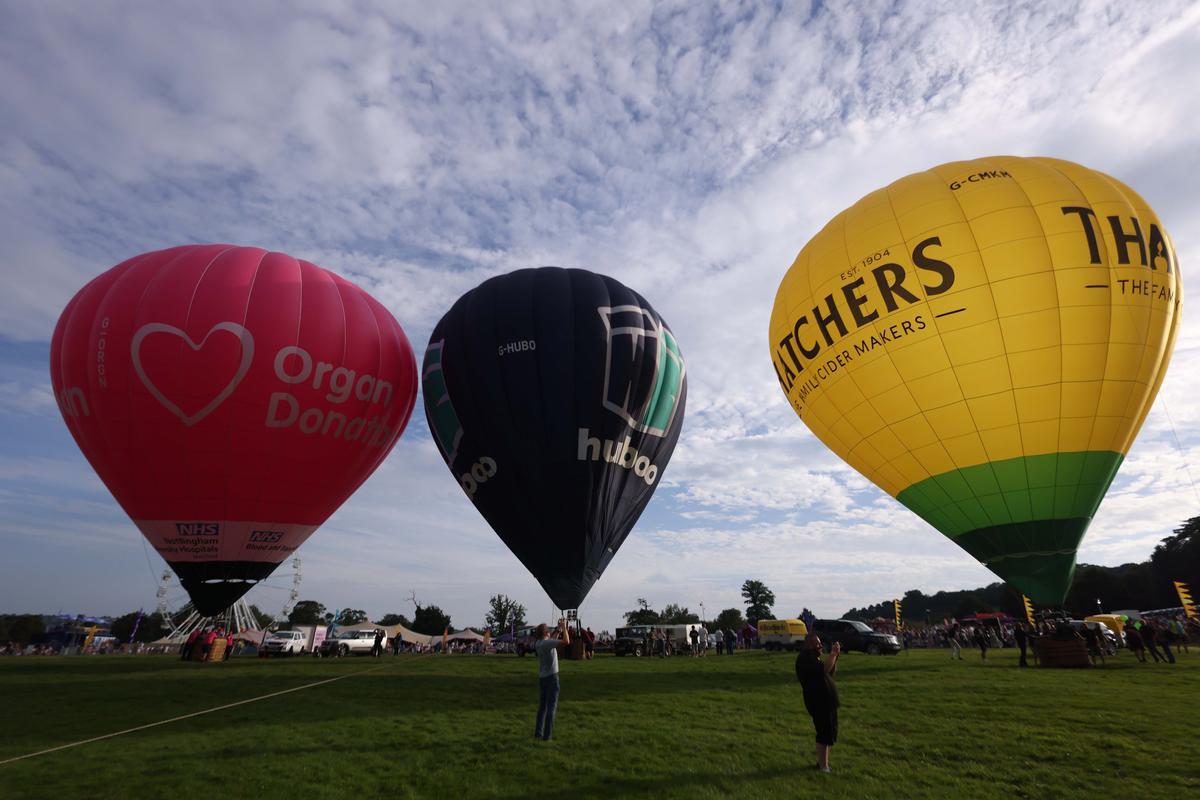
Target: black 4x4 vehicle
[(855, 635), (633, 640)]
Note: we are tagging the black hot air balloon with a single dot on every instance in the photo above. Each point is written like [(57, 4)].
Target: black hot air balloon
[(556, 397)]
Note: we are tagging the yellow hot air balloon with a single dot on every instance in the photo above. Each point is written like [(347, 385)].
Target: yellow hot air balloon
[(983, 341)]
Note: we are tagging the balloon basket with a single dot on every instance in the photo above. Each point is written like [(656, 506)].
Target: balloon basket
[(575, 650), (216, 653), (1063, 653)]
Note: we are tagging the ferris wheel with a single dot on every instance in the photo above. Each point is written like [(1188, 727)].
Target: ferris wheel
[(238, 617)]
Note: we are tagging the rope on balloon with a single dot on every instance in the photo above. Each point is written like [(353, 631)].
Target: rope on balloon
[(1187, 470)]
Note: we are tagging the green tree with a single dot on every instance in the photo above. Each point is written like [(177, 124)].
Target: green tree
[(308, 612), (504, 614), (675, 614), (148, 629), (972, 603), (1177, 557), (759, 600), (394, 619), (430, 620), (261, 619), (642, 615), (731, 619), (351, 616), (21, 628)]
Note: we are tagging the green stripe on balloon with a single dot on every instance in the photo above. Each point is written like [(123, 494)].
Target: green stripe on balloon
[(1022, 517)]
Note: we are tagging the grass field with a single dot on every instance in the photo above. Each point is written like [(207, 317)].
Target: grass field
[(914, 725)]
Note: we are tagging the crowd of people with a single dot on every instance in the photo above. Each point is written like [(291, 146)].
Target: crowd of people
[(202, 642), (1148, 637), (700, 641)]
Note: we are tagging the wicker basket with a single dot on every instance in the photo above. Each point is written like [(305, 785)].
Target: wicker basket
[(1068, 653)]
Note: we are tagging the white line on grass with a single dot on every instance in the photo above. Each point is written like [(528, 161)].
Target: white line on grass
[(187, 716)]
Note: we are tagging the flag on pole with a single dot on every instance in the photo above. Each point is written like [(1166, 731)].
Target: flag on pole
[(136, 624), (899, 624), (1185, 599), (1028, 609)]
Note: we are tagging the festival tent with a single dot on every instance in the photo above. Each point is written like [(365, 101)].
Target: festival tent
[(467, 635), (410, 636)]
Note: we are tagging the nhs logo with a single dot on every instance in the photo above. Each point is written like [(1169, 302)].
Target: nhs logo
[(197, 528)]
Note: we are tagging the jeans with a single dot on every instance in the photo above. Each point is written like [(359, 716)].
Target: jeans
[(547, 705)]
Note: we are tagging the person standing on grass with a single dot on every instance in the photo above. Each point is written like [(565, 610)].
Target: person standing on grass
[(695, 636), (1022, 641), (720, 634), (820, 693), (377, 647), (1179, 634), (185, 652), (548, 686), (1133, 640), (1149, 636), (1165, 639), (952, 638), (1094, 642), (210, 636), (397, 642), (981, 639)]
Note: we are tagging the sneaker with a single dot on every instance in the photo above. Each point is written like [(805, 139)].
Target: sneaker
[(824, 769)]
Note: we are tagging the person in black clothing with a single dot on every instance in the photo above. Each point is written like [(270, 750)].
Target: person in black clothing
[(1095, 643), (981, 639), (1133, 641), (1167, 637), (1149, 637), (377, 647), (820, 693), (1022, 641)]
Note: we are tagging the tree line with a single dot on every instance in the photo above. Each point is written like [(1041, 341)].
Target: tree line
[(759, 602), (503, 615), (1145, 585)]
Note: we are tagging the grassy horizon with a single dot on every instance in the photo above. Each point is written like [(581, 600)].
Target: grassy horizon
[(913, 725)]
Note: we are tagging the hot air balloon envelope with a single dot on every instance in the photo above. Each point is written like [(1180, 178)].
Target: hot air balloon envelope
[(983, 341), (556, 397), (230, 399)]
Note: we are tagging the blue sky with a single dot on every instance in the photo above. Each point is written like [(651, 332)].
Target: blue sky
[(689, 150)]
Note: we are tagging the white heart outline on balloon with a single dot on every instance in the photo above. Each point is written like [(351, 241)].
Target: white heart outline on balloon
[(237, 330)]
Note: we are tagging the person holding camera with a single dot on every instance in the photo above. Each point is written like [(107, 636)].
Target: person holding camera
[(548, 686), (820, 693)]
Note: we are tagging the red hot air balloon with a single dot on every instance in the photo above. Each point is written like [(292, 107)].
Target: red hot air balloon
[(231, 399)]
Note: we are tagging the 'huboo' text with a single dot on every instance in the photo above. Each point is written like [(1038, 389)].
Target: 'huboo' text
[(294, 365), (619, 453)]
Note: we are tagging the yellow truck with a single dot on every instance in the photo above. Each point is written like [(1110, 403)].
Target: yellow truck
[(1115, 623), (781, 634)]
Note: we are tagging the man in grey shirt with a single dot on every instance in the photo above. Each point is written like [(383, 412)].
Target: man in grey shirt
[(547, 653)]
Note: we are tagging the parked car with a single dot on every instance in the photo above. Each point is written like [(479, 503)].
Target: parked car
[(781, 634), (351, 643), (631, 641), (284, 643), (855, 635)]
